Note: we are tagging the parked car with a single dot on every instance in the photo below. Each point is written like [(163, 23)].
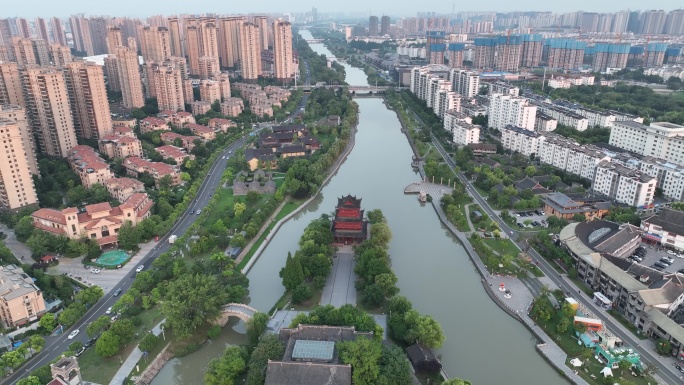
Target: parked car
[(90, 342), (661, 264), (109, 310), (667, 260), (680, 271), (671, 252), (73, 334), (139, 268), (657, 267), (117, 292), (638, 258), (95, 271), (81, 350), (520, 225), (115, 317)]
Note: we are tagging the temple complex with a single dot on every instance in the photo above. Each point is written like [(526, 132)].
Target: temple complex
[(349, 227)]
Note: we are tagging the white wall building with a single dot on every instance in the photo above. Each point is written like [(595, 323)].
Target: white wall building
[(564, 116), (520, 140), (625, 185), (667, 227), (461, 128), (659, 139), (466, 83), (507, 110)]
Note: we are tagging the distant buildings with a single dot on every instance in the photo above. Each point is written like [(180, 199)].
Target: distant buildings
[(659, 139)]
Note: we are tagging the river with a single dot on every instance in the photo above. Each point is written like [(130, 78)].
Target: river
[(483, 344)]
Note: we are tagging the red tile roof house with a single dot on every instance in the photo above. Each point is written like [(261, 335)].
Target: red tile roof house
[(221, 124), (136, 166), (99, 221), (205, 132), (188, 141), (153, 124)]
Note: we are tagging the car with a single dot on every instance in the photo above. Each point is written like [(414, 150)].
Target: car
[(679, 255), (198, 212), (73, 334), (139, 268), (109, 310), (541, 212), (657, 267), (230, 152), (520, 225), (95, 271), (637, 258), (661, 264), (671, 252), (117, 292), (115, 317), (668, 260), (81, 350), (223, 157), (90, 341)]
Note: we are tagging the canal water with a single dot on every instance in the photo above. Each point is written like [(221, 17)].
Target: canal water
[(483, 344)]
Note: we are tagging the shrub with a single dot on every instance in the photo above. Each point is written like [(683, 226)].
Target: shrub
[(301, 293)]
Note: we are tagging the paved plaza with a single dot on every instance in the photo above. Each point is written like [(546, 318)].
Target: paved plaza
[(339, 289)]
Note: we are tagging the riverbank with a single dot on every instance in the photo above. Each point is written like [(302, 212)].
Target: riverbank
[(548, 349)]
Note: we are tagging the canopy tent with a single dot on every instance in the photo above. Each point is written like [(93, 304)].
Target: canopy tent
[(607, 372), (576, 362)]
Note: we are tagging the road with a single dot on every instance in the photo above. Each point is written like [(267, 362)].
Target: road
[(55, 345), (665, 371)]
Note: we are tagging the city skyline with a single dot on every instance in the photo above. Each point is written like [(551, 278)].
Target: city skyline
[(46, 8)]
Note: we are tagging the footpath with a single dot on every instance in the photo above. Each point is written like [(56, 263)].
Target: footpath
[(132, 360)]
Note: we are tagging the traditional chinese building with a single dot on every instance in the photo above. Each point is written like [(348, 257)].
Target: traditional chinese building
[(349, 225)]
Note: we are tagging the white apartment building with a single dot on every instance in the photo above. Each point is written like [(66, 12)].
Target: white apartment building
[(466, 83), (624, 185), (563, 82), (667, 227), (570, 156), (431, 84), (596, 118), (421, 77), (669, 176), (445, 101), (507, 110), (564, 116), (461, 128), (521, 140), (545, 123), (503, 88), (660, 139)]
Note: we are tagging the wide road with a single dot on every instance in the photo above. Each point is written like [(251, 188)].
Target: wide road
[(56, 345), (666, 371)]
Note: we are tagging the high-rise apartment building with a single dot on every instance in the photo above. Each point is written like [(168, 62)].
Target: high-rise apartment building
[(193, 48), (111, 68), (10, 85), (42, 31), (484, 54), (80, 30), (454, 54), (659, 139), (610, 56), (209, 39), (262, 23), (114, 39), (654, 54), (88, 99), (17, 114), (176, 37), (155, 43), (508, 53), (620, 21), (5, 32), (208, 67), (674, 23), (282, 50), (98, 35), (507, 110), (129, 77), (385, 25), (531, 50), (224, 85), (210, 91), (48, 109), (23, 27), (168, 85), (58, 35), (16, 182), (23, 51), (653, 22), (565, 54), (250, 51), (229, 40), (373, 29), (465, 83)]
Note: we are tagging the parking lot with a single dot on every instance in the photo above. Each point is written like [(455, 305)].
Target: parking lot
[(653, 255), (541, 219)]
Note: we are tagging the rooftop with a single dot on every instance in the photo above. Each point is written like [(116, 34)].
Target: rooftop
[(313, 350)]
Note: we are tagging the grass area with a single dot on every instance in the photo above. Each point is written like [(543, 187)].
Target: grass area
[(289, 207), (281, 303), (502, 246), (482, 192), (535, 270), (618, 317), (312, 303), (101, 370), (224, 201), (151, 355)]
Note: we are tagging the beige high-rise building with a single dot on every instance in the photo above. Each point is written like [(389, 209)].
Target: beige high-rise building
[(250, 51), (98, 34), (23, 28), (111, 68), (60, 55), (208, 67), (282, 50), (88, 98), (5, 32), (23, 51), (10, 85), (48, 110), (41, 49), (229, 40), (132, 44), (262, 23), (6, 53), (17, 114), (114, 39), (209, 38), (155, 43), (176, 37), (223, 80), (188, 94), (129, 77), (80, 30), (210, 91), (168, 85), (58, 35), (21, 300), (16, 181), (192, 48), (42, 31)]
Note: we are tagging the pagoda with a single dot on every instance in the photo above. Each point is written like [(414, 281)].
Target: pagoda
[(349, 227)]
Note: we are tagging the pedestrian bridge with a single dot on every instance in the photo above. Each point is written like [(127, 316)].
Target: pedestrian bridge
[(238, 310), (310, 41), (353, 89)]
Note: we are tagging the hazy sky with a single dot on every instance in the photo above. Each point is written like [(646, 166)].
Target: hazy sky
[(141, 8)]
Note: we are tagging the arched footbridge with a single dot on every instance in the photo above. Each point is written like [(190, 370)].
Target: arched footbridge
[(238, 310)]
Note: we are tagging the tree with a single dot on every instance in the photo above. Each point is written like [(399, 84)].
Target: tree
[(375, 216), (269, 348), (239, 208), (24, 228), (30, 380), (301, 293), (292, 274), (425, 330), (387, 282), (530, 171), (48, 322), (562, 326), (71, 314), (224, 370), (373, 295), (75, 346), (191, 301), (363, 355), (624, 365), (579, 218), (107, 345), (123, 329), (36, 343), (256, 326), (128, 236), (252, 198), (456, 381), (380, 234), (663, 346), (394, 367), (13, 359), (90, 296), (148, 342)]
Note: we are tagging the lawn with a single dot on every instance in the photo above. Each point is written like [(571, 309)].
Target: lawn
[(224, 201), (101, 370), (502, 246)]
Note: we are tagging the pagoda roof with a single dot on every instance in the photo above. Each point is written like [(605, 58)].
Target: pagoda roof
[(349, 201)]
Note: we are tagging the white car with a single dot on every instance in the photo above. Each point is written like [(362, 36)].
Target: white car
[(109, 310), (679, 255), (95, 271), (139, 268), (671, 252), (73, 334)]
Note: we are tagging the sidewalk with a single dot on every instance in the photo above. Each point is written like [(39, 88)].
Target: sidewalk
[(18, 249), (132, 360)]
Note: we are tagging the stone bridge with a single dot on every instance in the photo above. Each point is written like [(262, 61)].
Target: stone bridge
[(238, 310)]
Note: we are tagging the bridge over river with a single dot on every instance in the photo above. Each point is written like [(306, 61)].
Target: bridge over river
[(238, 310)]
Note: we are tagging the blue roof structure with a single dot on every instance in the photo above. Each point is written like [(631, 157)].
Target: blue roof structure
[(436, 34), (485, 41), (565, 44), (656, 47), (536, 37), (456, 47), (636, 50), (437, 47), (612, 48)]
